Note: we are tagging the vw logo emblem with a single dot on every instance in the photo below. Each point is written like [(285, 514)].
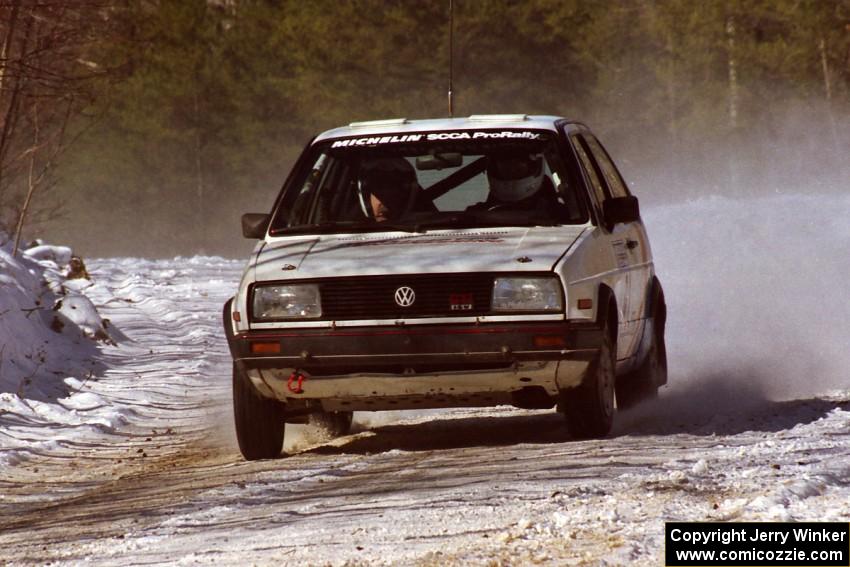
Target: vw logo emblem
[(405, 296)]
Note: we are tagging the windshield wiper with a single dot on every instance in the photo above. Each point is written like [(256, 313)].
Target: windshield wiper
[(455, 221), (467, 219), (507, 217), (389, 226), (319, 227), (483, 219), (330, 227)]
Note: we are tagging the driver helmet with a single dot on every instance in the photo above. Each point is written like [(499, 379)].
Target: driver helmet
[(513, 178), (392, 180)]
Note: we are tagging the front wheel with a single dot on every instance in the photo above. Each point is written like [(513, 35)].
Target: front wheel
[(589, 407), (259, 421), (331, 424)]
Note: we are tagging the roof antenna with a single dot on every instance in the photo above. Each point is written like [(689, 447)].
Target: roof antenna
[(451, 55)]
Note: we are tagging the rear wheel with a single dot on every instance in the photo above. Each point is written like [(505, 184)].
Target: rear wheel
[(331, 424), (589, 407), (642, 383), (259, 421)]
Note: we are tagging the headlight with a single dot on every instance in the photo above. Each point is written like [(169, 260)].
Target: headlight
[(287, 302), (527, 294)]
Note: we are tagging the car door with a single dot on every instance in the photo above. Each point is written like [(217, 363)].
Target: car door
[(632, 238), (613, 246)]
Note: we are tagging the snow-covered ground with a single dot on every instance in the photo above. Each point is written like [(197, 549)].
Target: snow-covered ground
[(124, 453)]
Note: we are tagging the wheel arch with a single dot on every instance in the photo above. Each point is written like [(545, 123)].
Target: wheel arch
[(227, 321), (659, 313), (656, 307), (656, 297), (607, 312)]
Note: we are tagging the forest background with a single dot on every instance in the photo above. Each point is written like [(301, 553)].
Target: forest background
[(147, 127)]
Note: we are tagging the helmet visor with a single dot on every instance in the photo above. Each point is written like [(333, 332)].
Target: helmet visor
[(515, 167)]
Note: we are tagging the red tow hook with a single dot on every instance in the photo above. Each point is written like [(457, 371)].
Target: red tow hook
[(295, 381)]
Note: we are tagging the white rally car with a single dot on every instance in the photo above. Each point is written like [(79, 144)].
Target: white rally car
[(476, 261)]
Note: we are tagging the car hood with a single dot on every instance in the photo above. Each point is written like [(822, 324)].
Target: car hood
[(468, 250)]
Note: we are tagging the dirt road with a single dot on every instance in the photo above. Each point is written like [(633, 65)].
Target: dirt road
[(167, 486)]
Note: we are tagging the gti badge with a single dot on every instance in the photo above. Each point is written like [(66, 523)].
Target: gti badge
[(405, 296)]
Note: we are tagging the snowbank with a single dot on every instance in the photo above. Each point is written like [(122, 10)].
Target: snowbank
[(46, 326), (48, 351)]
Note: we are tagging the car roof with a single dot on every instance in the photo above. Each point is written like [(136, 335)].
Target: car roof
[(474, 122)]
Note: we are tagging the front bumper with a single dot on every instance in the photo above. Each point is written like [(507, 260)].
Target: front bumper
[(397, 367), (385, 347)]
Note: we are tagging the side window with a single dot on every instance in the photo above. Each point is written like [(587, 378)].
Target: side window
[(609, 170), (319, 197), (298, 205), (589, 170), (333, 197), (567, 190)]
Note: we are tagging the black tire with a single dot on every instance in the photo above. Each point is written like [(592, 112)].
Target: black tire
[(642, 383), (589, 407), (259, 421), (331, 424)]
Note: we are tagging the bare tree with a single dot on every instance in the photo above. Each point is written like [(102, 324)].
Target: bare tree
[(48, 74), (734, 97)]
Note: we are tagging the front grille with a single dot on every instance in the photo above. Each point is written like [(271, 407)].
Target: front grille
[(373, 297)]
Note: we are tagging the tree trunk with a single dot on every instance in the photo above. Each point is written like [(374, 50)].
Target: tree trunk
[(10, 117), (733, 102), (672, 95), (31, 184), (827, 85), (199, 176), (7, 43), (733, 73)]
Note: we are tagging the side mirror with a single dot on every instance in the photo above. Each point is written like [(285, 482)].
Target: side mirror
[(621, 210), (254, 225)]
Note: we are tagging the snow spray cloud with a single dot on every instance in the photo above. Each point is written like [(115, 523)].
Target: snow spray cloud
[(754, 288)]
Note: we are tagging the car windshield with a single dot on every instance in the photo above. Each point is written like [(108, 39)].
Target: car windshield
[(417, 182)]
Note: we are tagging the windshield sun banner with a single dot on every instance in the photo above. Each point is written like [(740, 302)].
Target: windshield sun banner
[(437, 136)]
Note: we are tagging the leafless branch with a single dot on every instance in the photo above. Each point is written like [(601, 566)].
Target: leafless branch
[(49, 63)]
